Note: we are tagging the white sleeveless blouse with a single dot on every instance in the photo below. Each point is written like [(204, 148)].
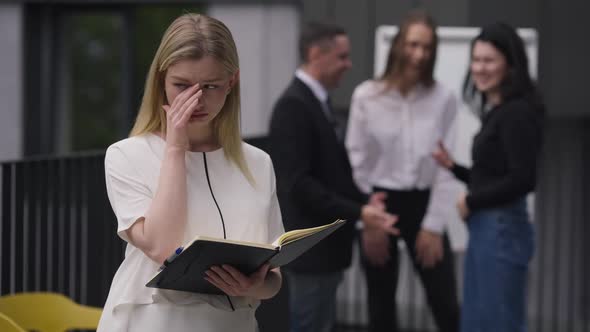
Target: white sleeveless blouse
[(250, 213)]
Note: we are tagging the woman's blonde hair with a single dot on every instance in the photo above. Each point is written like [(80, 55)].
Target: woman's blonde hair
[(194, 36)]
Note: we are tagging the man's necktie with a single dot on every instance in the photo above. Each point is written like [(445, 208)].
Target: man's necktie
[(338, 127)]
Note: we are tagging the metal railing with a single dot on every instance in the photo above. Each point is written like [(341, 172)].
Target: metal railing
[(57, 232)]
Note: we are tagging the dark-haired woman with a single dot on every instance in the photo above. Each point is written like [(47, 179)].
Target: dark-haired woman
[(504, 157), (395, 124)]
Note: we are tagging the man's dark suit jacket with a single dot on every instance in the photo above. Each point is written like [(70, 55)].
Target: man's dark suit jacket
[(314, 178)]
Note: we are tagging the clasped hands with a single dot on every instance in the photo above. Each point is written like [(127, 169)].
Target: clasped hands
[(378, 226), (376, 233)]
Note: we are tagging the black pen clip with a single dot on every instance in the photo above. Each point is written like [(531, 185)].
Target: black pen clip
[(171, 258)]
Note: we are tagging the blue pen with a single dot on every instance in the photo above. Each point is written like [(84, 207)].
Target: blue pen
[(171, 257)]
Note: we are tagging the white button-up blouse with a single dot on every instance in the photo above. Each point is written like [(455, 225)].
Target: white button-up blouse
[(390, 140)]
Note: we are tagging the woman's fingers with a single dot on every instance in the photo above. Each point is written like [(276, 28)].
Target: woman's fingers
[(233, 282), (225, 276), (215, 281), (441, 146), (179, 103), (441, 155), (178, 114), (190, 106), (184, 95), (184, 111)]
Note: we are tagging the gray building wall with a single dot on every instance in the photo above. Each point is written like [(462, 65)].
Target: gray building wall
[(11, 22), (266, 38)]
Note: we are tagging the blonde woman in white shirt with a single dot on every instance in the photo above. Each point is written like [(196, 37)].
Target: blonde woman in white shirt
[(184, 171), (395, 124)]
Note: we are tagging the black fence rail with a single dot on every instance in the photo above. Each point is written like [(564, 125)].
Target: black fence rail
[(58, 230)]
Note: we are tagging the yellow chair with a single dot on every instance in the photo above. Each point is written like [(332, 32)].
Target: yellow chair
[(48, 312), (8, 325)]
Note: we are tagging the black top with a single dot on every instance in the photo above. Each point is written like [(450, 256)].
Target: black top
[(314, 178), (504, 155)]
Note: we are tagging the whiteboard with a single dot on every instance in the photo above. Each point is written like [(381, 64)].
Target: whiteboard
[(451, 66)]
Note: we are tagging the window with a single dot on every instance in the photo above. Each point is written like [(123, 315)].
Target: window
[(86, 67)]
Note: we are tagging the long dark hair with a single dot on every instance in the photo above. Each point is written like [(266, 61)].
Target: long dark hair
[(395, 63), (518, 82)]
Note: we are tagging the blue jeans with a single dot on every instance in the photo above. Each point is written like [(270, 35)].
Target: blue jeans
[(312, 301), (501, 244)]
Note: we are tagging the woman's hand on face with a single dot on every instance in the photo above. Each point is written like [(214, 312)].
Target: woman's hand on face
[(178, 115), (442, 156), (234, 283)]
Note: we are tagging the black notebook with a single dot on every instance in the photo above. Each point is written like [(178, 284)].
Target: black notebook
[(186, 271)]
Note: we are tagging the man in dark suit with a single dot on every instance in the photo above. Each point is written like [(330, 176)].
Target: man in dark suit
[(314, 177)]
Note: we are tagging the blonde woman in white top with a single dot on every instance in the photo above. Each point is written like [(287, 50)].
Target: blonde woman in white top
[(395, 124), (185, 172)]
